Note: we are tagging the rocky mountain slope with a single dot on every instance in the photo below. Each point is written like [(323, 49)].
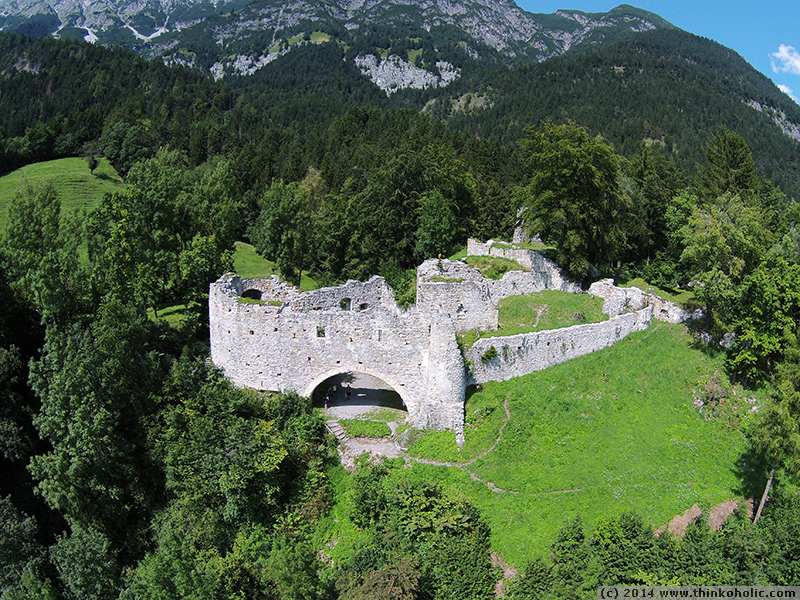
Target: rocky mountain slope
[(397, 43)]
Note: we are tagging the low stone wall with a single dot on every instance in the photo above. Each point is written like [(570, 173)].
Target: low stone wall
[(617, 300), (522, 354), (544, 271)]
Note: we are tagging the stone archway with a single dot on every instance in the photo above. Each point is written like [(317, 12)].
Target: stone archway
[(409, 404)]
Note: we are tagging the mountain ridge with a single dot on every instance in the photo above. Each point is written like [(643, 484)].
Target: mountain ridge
[(240, 33)]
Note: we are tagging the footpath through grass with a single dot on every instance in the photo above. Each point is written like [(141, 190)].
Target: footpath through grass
[(77, 188), (608, 432)]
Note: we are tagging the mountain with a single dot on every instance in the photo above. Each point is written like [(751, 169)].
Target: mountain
[(667, 88), (487, 68), (398, 44)]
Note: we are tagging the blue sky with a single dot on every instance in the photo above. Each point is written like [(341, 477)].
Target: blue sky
[(766, 34)]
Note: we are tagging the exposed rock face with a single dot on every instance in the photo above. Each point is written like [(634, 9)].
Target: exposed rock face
[(393, 73), (789, 128)]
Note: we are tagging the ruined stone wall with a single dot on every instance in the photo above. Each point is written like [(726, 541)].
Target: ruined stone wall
[(525, 353), (544, 273), (617, 300), (283, 339), (458, 290), (471, 300), (290, 340)]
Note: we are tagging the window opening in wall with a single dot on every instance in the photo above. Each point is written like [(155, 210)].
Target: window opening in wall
[(251, 332), (320, 332), (344, 304), (252, 294), (363, 306)]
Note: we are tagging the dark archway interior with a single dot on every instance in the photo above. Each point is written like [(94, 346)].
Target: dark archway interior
[(354, 390)]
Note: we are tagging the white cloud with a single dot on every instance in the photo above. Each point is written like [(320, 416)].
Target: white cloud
[(789, 92), (786, 60)]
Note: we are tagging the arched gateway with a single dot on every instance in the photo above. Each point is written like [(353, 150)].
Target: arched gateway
[(267, 335)]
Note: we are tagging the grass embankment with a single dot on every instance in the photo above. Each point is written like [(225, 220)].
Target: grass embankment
[(250, 265), (77, 188), (364, 428), (608, 432)]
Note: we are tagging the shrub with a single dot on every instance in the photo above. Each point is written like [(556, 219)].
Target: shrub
[(489, 354)]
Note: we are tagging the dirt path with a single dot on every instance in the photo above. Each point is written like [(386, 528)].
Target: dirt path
[(351, 448), (677, 526), (463, 465), (481, 455)]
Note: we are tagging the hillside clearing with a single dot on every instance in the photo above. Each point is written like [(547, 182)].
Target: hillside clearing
[(77, 187)]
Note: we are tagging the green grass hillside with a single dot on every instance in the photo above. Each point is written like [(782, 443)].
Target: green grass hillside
[(251, 265), (77, 187), (596, 436)]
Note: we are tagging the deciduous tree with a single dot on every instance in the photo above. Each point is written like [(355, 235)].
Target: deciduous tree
[(573, 199), (281, 232)]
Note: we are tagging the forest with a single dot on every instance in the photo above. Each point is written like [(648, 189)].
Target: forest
[(133, 469)]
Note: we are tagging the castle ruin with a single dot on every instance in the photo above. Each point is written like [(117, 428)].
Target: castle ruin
[(268, 335)]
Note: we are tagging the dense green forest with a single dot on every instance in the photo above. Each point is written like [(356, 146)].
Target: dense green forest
[(666, 86), (133, 469)]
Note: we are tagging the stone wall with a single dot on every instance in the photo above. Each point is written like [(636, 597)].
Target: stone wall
[(526, 353), (617, 300), (291, 340), (457, 290), (461, 291), (544, 271)]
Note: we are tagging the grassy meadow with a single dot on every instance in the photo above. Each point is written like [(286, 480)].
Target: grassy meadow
[(80, 190), (596, 436), (77, 187), (545, 310)]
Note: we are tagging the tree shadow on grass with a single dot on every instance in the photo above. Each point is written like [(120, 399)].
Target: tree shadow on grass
[(106, 177), (751, 470)]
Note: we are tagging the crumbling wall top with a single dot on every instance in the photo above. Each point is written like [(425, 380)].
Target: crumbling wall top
[(371, 295)]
